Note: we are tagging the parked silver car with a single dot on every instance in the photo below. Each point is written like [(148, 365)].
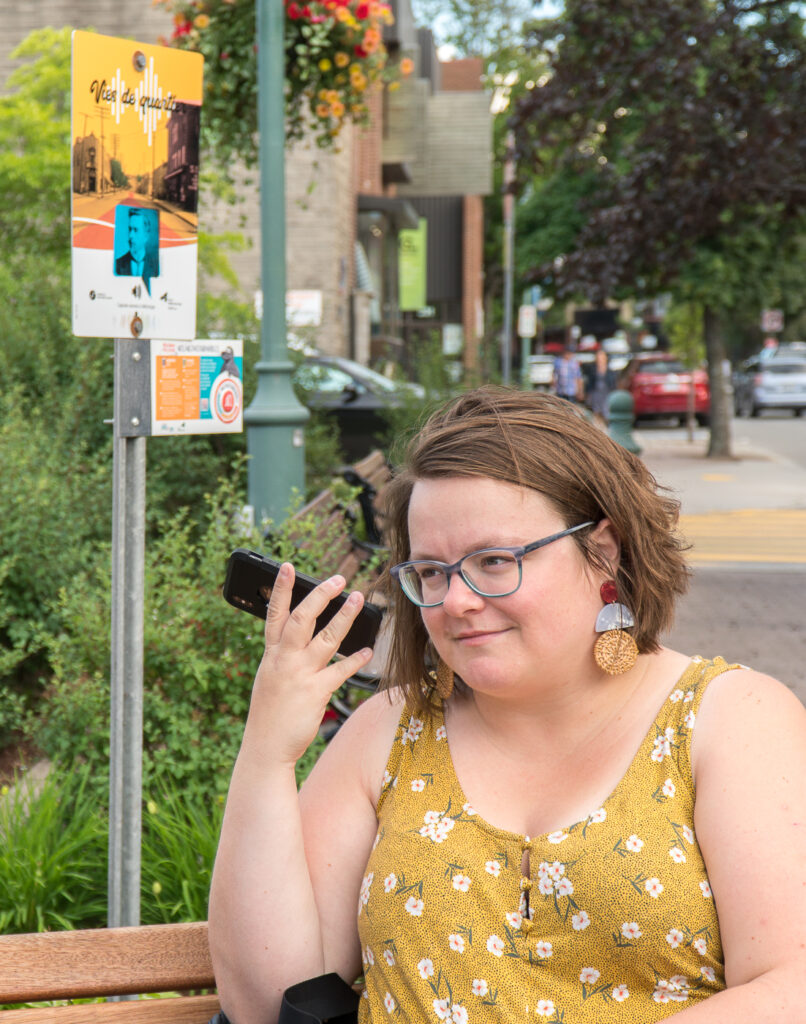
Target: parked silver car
[(777, 382)]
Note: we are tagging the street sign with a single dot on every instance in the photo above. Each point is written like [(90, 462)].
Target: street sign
[(527, 321), (197, 387), (135, 184), (772, 320)]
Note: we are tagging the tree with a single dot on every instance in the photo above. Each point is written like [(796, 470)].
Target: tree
[(687, 115), (475, 28)]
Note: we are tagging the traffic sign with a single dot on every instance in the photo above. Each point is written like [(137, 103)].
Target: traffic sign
[(527, 321), (772, 320)]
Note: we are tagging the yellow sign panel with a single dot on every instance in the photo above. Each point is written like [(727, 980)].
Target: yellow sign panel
[(135, 183)]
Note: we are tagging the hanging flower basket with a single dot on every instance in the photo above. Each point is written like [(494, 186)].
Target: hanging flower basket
[(334, 56)]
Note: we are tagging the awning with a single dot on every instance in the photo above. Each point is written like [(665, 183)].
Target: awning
[(400, 212)]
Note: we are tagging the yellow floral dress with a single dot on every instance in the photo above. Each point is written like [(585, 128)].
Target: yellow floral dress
[(615, 921)]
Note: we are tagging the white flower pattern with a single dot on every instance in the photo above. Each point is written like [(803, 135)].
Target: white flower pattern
[(591, 903)]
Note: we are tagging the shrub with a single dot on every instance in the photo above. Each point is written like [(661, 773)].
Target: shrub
[(53, 856), (200, 654)]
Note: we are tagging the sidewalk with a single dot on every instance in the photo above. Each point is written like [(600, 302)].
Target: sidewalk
[(754, 479), (746, 520)]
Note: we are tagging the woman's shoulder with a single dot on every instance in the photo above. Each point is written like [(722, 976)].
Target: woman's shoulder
[(366, 737), (747, 709)]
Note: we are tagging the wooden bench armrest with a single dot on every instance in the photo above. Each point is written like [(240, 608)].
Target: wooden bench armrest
[(104, 962)]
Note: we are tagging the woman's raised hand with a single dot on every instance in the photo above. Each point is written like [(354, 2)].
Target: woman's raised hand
[(297, 675)]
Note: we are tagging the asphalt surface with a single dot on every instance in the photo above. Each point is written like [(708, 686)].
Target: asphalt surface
[(745, 519)]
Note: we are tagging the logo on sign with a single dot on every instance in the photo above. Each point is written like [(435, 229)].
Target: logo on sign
[(226, 400)]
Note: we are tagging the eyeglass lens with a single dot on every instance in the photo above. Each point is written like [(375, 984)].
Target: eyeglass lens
[(490, 573)]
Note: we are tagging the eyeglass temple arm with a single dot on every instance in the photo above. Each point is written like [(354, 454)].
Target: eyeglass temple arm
[(556, 536)]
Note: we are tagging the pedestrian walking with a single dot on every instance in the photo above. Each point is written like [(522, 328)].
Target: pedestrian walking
[(568, 382), (603, 381)]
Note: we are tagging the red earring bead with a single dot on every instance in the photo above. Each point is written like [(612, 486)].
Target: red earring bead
[(608, 591)]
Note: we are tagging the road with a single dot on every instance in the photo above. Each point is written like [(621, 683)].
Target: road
[(746, 521), (779, 431)]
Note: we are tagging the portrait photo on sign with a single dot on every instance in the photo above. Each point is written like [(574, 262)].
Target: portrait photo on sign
[(136, 251)]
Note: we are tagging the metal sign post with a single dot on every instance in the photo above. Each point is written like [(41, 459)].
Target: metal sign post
[(134, 253), (132, 423)]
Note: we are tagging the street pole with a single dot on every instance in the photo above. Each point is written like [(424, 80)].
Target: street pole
[(509, 247), (275, 419), (128, 585)]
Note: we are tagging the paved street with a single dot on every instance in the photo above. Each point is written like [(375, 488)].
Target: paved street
[(746, 521)]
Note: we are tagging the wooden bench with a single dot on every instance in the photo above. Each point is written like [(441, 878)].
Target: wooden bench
[(102, 962), (346, 543), (172, 959)]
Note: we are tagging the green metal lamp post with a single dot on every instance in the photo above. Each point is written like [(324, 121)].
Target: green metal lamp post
[(275, 419)]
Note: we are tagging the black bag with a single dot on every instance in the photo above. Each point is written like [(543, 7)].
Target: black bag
[(323, 1000), (326, 998)]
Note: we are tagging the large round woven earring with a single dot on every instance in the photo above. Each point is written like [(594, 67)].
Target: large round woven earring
[(444, 683), (615, 651)]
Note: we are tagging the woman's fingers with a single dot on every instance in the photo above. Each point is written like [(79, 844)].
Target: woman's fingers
[(297, 625), (279, 600)]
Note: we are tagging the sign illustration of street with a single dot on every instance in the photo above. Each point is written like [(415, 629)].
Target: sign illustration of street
[(135, 182)]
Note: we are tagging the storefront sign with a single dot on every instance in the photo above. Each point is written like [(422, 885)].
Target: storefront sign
[(412, 266)]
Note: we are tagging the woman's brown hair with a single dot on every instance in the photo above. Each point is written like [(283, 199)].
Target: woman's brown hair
[(545, 443)]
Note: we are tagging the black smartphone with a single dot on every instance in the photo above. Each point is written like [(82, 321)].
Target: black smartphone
[(249, 581)]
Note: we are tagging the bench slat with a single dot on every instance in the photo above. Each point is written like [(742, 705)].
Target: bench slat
[(180, 1010), (104, 962)]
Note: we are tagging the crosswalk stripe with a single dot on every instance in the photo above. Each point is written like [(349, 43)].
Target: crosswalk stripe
[(747, 535)]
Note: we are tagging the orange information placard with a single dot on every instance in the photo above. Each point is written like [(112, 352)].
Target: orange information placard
[(196, 387), (178, 388)]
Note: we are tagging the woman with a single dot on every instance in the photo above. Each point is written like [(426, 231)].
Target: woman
[(528, 695), (603, 381)]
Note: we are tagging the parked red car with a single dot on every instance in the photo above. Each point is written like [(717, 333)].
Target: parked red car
[(660, 385)]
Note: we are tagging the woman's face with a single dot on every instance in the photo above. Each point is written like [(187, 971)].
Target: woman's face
[(505, 644)]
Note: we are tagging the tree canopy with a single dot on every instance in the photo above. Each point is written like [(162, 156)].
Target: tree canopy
[(687, 115)]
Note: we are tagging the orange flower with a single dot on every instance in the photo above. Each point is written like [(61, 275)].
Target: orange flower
[(371, 40), (322, 110), (337, 109), (341, 59), (201, 20), (406, 66)]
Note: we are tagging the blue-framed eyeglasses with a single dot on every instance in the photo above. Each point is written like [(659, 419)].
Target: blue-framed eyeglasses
[(490, 572)]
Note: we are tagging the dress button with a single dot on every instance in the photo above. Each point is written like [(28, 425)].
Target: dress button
[(526, 884)]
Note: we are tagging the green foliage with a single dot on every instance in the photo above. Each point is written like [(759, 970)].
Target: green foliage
[(683, 325), (431, 371), (200, 654), (53, 509), (53, 855), (331, 60), (35, 148), (180, 837)]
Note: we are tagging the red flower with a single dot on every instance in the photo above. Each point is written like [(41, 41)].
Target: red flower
[(293, 10), (306, 12), (359, 51), (181, 30), (362, 11)]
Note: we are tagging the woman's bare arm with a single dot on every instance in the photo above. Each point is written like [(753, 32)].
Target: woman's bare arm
[(270, 925)]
